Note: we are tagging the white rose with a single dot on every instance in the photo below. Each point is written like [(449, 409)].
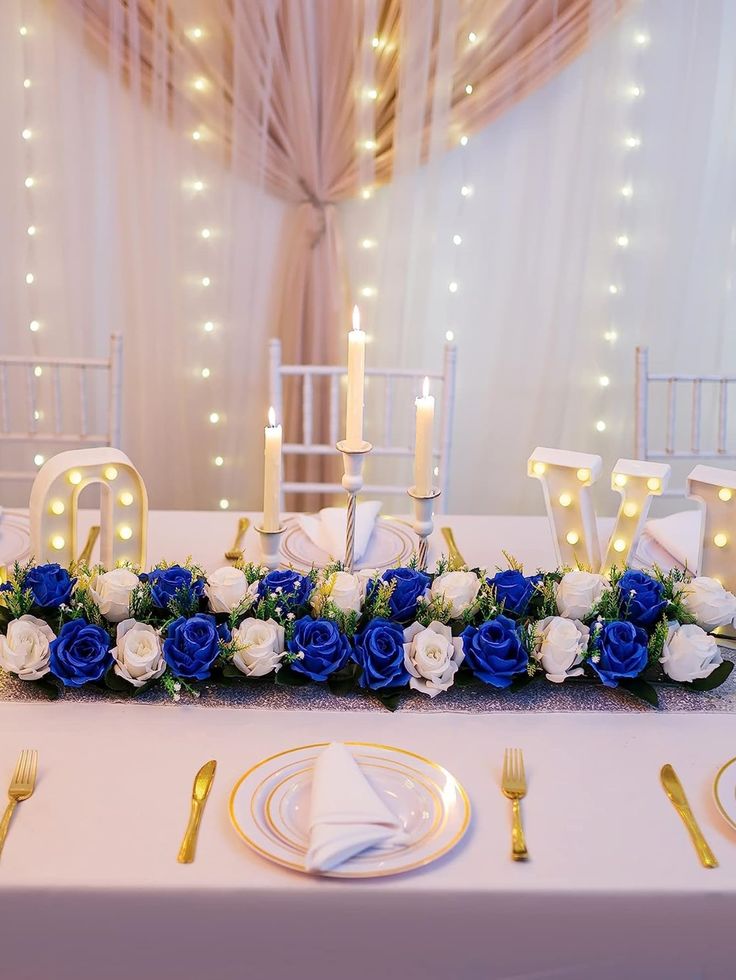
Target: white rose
[(346, 591), (707, 600), (559, 647), (227, 588), (689, 653), (432, 656), (111, 593), (261, 647), (25, 649), (578, 592), (137, 654), (457, 588)]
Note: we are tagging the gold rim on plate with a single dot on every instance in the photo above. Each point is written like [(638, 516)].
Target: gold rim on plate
[(460, 792), (726, 816), (406, 545)]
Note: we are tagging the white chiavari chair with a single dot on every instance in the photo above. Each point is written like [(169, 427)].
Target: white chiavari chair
[(683, 439), (388, 440), (71, 400)]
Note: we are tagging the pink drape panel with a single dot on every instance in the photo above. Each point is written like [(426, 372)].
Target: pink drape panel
[(294, 75)]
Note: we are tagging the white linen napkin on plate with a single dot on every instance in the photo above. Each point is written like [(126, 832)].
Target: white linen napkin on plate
[(346, 814), (327, 529), (671, 541)]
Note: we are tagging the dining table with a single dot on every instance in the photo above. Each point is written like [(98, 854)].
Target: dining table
[(90, 888)]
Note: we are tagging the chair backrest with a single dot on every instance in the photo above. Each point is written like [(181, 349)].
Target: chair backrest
[(68, 401), (683, 441), (390, 442)]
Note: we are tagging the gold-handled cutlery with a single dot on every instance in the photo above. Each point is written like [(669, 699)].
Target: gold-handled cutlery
[(676, 794), (236, 552), (21, 787), (202, 786), (513, 785), (455, 556), (86, 552)]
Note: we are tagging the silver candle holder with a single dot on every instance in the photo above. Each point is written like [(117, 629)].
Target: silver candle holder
[(423, 520), (271, 547), (352, 482)]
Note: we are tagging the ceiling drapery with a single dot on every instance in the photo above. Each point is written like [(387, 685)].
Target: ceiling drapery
[(311, 103)]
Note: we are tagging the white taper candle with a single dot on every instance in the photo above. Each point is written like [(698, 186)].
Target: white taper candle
[(356, 381), (423, 450), (272, 475)]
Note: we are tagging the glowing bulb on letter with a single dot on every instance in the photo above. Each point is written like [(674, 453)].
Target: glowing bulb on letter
[(653, 484), (75, 478), (720, 540), (619, 479), (619, 545), (572, 537), (111, 473), (565, 499), (125, 532), (725, 494), (630, 508), (57, 542), (39, 459), (57, 507), (126, 498), (583, 475), (539, 469)]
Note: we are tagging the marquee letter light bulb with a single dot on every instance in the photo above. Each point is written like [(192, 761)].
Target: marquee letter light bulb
[(714, 489), (123, 506), (637, 481), (566, 478)]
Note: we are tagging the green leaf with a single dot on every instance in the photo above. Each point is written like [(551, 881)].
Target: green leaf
[(113, 682), (714, 679), (288, 678), (51, 686), (640, 689), (390, 698)]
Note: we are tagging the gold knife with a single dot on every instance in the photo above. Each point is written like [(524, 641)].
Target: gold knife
[(86, 552), (202, 786), (455, 556), (675, 792)]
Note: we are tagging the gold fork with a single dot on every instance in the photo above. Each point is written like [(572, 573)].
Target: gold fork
[(236, 552), (455, 556), (21, 787), (86, 552), (513, 785)]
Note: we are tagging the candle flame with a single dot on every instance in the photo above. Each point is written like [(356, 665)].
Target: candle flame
[(425, 388), (356, 318), (272, 416)]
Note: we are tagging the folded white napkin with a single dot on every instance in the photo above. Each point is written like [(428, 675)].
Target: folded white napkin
[(346, 814), (327, 529), (671, 541)]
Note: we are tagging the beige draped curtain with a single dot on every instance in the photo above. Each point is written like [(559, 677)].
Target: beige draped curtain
[(313, 104)]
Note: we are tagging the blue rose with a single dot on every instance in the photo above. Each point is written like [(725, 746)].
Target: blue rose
[(409, 586), (620, 651), (494, 651), (80, 653), (319, 648), (293, 588), (191, 646), (642, 601), (514, 590), (166, 582), (379, 650), (51, 585)]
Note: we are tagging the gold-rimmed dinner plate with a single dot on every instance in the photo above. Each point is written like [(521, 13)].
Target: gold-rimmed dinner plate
[(724, 791), (391, 544), (269, 808), (15, 537)]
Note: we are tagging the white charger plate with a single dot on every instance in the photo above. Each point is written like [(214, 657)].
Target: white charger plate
[(724, 791), (391, 544), (15, 537), (269, 808)]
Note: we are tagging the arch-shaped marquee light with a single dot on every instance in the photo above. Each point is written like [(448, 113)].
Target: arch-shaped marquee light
[(123, 507)]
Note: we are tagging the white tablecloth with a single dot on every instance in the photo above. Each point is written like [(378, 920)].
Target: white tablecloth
[(90, 888)]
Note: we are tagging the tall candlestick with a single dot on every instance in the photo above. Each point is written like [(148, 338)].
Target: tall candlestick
[(272, 475), (423, 450), (356, 381)]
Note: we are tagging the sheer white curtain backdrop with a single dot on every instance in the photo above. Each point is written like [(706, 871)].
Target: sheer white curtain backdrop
[(597, 214)]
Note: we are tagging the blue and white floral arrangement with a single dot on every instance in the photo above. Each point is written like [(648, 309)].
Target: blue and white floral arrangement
[(391, 633)]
